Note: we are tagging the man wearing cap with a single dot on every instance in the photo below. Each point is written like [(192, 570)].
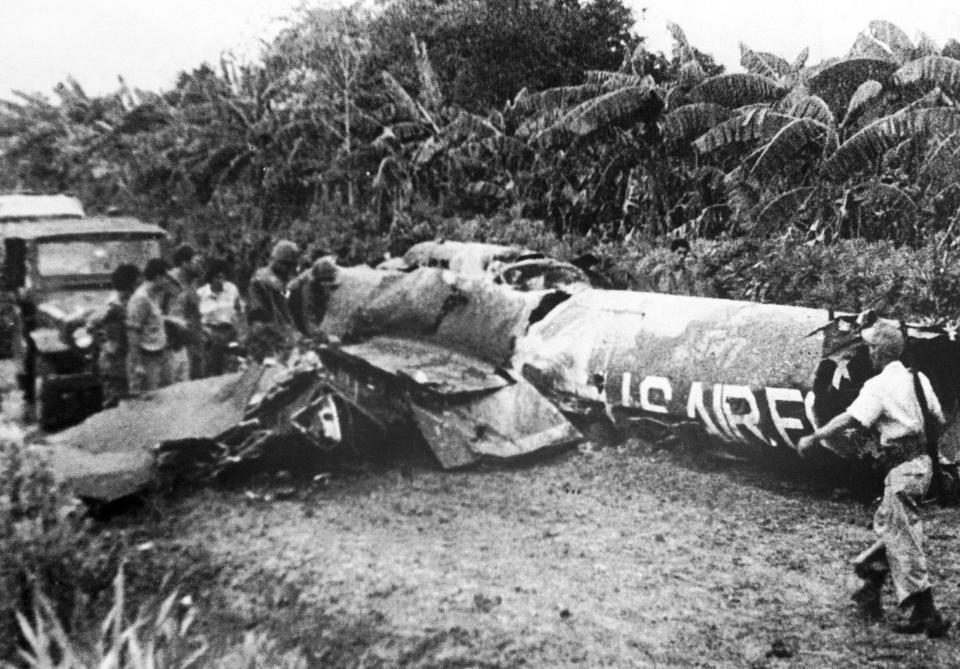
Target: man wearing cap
[(310, 293), (888, 402), (268, 288)]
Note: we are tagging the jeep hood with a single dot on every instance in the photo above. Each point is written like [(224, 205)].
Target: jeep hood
[(63, 306)]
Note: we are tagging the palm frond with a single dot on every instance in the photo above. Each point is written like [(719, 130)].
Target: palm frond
[(781, 210), (902, 154), (681, 46), (951, 49), (760, 124), (390, 174), (400, 97), (737, 89), (801, 60), (883, 40), (786, 147), (878, 194), (467, 125), (813, 107), (927, 46), (427, 151), (507, 147), (837, 83), (929, 71), (867, 146), (486, 189), (676, 97), (409, 131), (867, 93), (941, 165), (560, 97), (609, 81), (429, 87), (622, 106), (766, 64), (689, 121), (691, 74)]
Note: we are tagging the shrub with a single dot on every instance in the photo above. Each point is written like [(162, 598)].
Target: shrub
[(159, 636), (45, 542)]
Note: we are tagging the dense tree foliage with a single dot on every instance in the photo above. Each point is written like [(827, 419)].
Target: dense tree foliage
[(549, 111), (484, 52)]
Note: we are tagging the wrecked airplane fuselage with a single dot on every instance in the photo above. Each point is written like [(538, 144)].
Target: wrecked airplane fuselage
[(743, 371), (752, 377), (481, 371)]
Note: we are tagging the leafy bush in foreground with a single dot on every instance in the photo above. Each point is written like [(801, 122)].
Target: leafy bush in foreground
[(45, 543)]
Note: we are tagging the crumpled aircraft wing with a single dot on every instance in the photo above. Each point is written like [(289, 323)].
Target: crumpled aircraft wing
[(109, 455)]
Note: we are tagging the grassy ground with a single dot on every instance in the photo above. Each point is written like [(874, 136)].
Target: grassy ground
[(617, 557)]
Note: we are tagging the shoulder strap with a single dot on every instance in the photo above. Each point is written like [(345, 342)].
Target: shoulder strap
[(929, 425)]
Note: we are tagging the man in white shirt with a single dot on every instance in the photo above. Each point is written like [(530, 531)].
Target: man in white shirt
[(888, 403), (220, 315)]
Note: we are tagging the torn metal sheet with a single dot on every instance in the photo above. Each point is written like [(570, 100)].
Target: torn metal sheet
[(99, 476), (465, 408), (468, 315), (441, 370), (355, 288), (110, 454), (506, 423), (464, 258)]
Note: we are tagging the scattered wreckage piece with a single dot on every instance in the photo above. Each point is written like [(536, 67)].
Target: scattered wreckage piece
[(520, 268), (753, 377), (432, 350), (465, 408), (110, 455)]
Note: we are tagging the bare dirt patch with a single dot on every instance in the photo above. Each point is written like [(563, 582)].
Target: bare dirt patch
[(613, 558)]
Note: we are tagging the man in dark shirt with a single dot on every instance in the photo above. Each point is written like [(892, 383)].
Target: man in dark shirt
[(183, 311), (268, 288)]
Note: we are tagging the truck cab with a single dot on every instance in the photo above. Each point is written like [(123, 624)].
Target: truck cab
[(56, 272), (35, 207)]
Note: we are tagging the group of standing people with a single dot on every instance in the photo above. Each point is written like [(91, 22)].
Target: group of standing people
[(167, 324), (162, 325)]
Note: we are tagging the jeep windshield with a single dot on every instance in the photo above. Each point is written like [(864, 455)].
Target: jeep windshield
[(95, 257)]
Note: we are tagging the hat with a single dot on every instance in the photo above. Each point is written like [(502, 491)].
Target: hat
[(285, 251), (885, 337), (325, 270)]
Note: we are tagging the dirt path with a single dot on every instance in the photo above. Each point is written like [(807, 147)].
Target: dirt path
[(612, 558)]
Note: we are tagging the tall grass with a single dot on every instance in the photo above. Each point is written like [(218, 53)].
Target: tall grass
[(158, 636)]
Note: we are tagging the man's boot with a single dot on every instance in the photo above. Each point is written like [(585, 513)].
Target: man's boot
[(868, 598), (925, 617), (871, 566)]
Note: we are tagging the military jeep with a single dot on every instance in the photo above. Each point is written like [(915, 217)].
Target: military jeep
[(57, 273)]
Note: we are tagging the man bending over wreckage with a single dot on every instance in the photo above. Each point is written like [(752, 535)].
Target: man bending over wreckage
[(889, 403)]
